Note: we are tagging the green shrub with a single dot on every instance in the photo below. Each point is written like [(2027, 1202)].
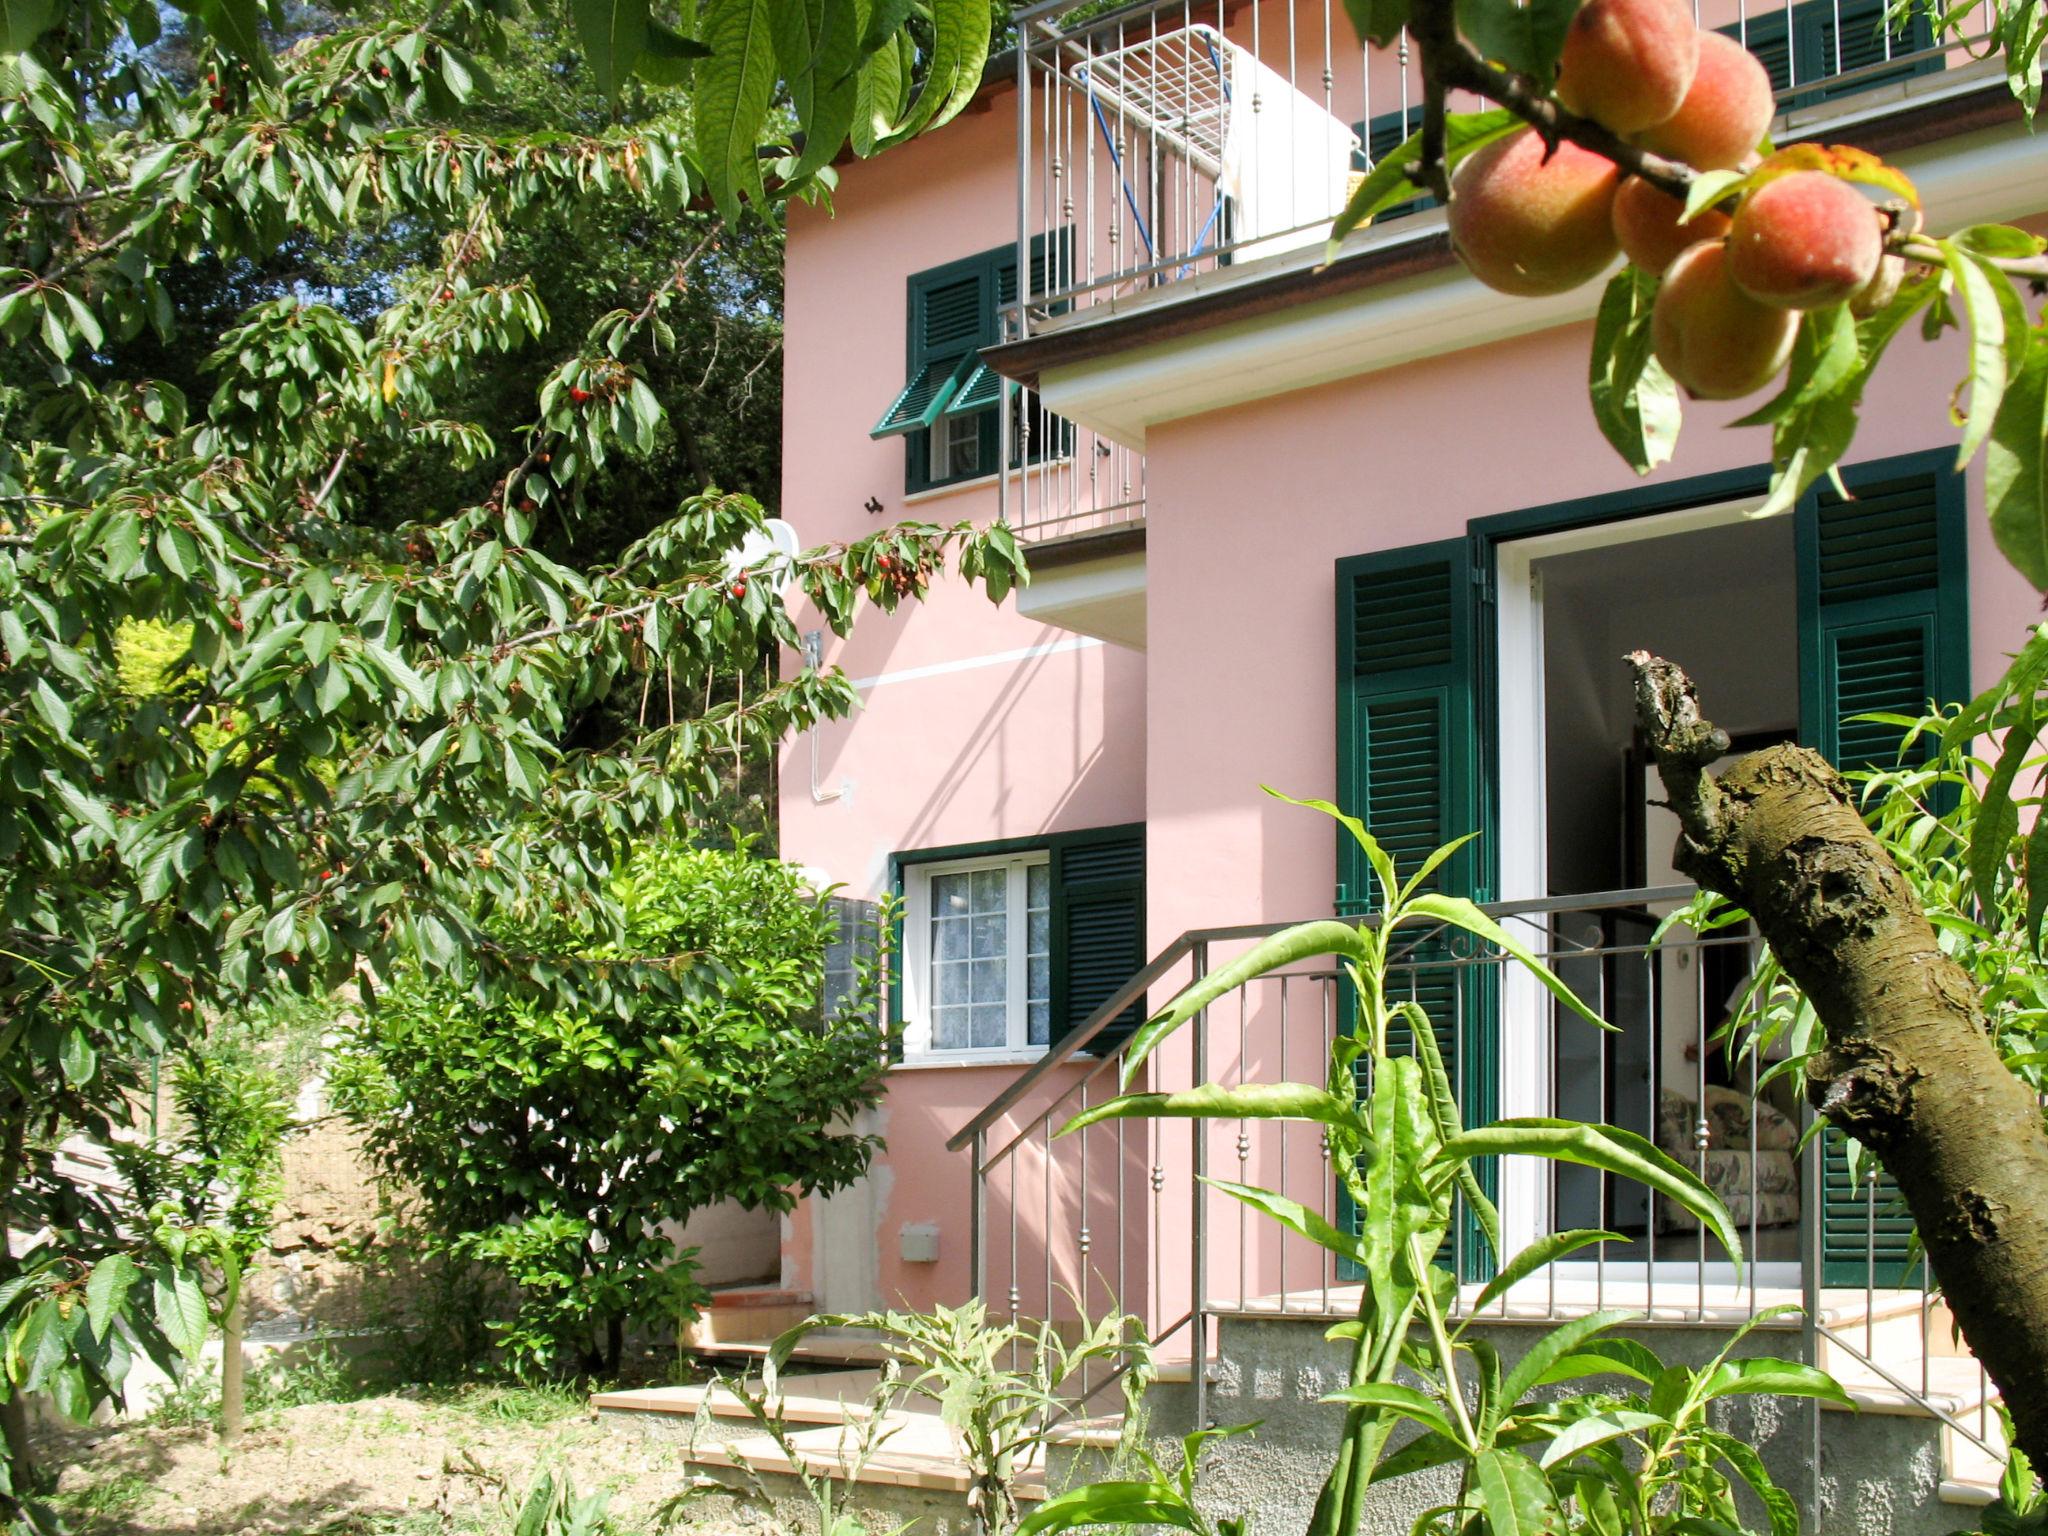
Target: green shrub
[(551, 1147)]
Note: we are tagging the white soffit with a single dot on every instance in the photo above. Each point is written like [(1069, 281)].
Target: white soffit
[(1103, 598), (1999, 174)]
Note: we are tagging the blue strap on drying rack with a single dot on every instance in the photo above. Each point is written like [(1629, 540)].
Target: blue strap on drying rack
[(1130, 197)]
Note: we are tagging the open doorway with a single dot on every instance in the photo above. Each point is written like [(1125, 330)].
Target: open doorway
[(1715, 590)]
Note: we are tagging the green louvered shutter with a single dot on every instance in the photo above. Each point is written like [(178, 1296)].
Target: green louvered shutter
[(946, 309), (1883, 627), (1409, 765), (1765, 35), (1860, 24), (1383, 135), (1035, 432), (1098, 939)]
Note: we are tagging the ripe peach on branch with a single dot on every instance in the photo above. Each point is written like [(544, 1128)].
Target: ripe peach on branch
[(1528, 220), (1725, 114), (1804, 241), (1628, 64), (1651, 226), (1714, 340)]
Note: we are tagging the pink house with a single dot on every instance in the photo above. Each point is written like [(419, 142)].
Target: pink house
[(1348, 530)]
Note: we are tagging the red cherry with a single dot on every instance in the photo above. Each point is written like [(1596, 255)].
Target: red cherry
[(526, 504), (579, 394), (447, 294), (220, 103), (883, 563), (739, 589)]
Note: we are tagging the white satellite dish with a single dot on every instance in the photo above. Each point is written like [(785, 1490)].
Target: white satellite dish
[(769, 551)]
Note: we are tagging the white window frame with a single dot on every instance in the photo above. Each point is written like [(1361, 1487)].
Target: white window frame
[(917, 970), (943, 441)]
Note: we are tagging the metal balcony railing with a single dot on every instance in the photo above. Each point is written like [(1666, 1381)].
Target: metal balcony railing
[(1117, 1215), (1165, 140)]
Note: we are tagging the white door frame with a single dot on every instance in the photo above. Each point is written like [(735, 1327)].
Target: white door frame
[(1523, 850)]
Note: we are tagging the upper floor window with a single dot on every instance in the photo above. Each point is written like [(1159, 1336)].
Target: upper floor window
[(947, 410)]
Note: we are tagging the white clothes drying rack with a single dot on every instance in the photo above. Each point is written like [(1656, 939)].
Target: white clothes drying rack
[(1278, 161)]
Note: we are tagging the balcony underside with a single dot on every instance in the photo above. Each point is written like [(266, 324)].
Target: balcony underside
[(1090, 583)]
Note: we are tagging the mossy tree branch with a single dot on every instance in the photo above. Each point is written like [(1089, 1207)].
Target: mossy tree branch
[(1909, 1068)]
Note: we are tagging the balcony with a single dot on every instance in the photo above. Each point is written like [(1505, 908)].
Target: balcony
[(1180, 165)]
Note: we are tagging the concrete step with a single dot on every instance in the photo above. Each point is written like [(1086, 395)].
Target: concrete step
[(749, 1314), (828, 1397), (913, 1450)]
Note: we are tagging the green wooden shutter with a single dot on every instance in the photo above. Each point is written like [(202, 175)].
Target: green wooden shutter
[(1409, 764), (1407, 736), (1861, 27), (946, 309), (1098, 937), (1810, 42), (1382, 136), (1883, 627), (1765, 35)]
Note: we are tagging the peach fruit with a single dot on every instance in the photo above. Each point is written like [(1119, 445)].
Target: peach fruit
[(1725, 114), (1804, 241), (1627, 64), (1646, 221), (1529, 222), (1714, 339)]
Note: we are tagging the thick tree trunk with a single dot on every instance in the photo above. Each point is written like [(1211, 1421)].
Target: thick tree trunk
[(1909, 1069)]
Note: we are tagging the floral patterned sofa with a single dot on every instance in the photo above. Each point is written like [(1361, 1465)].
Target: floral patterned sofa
[(1762, 1184)]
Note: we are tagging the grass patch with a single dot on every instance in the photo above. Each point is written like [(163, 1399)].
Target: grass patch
[(513, 1402), (106, 1498)]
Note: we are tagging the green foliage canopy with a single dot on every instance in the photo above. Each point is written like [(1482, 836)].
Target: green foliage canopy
[(355, 733), (552, 1144)]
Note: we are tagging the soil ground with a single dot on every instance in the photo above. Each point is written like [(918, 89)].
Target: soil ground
[(400, 1465)]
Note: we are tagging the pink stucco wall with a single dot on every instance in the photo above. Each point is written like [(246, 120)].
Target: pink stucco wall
[(953, 743), (1249, 510), (1374, 463)]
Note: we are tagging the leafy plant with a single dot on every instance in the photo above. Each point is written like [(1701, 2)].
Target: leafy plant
[(553, 1146), (1003, 1389), (222, 1168), (2021, 1508), (1162, 1499), (274, 733), (862, 1434), (1529, 1462)]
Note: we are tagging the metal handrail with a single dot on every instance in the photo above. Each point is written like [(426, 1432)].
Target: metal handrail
[(1071, 1042), (1077, 1038)]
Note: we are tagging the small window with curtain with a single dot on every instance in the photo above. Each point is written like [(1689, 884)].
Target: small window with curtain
[(1006, 948), (947, 410), (980, 956)]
